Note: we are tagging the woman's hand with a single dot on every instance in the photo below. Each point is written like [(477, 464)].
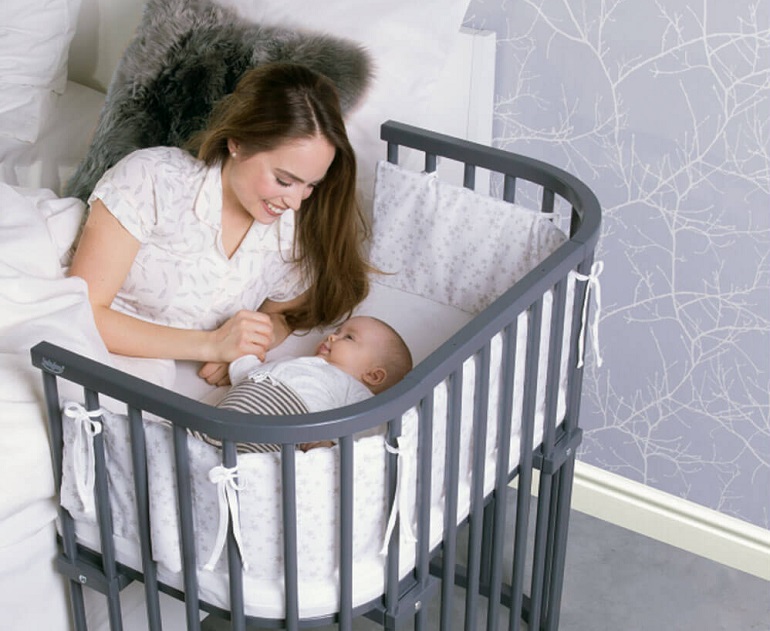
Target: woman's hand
[(246, 333)]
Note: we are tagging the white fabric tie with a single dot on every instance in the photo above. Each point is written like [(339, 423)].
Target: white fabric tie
[(227, 487), (265, 376), (401, 500), (87, 429), (594, 287)]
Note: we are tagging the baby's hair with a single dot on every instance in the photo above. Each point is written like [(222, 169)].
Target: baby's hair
[(398, 357)]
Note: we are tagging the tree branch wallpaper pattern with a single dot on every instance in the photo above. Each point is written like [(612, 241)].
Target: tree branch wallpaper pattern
[(663, 108)]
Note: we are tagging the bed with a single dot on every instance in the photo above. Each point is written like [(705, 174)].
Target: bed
[(471, 330)]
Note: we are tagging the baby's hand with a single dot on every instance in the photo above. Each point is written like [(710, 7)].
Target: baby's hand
[(215, 373)]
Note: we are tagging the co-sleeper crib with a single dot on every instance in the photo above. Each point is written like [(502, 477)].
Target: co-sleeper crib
[(498, 399)]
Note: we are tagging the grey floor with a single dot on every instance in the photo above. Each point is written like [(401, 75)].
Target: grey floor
[(616, 580)]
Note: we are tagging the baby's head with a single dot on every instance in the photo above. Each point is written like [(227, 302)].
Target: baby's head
[(369, 350)]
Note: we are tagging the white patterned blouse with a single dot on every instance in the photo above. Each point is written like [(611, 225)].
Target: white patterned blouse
[(172, 203)]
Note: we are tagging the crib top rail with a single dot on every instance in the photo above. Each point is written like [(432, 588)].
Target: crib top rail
[(551, 178)]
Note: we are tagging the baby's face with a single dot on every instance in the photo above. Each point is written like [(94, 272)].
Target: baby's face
[(355, 347)]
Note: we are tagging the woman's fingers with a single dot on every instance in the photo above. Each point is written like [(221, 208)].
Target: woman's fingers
[(246, 333)]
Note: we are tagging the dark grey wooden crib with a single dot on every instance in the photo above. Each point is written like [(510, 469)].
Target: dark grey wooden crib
[(524, 589)]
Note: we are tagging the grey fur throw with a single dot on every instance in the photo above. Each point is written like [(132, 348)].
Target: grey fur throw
[(186, 55)]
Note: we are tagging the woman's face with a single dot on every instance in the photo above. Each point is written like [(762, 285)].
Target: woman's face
[(268, 183)]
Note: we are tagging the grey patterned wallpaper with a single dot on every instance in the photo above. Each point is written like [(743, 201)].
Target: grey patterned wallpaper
[(663, 108)]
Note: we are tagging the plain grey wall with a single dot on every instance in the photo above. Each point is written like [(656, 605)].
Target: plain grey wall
[(663, 108)]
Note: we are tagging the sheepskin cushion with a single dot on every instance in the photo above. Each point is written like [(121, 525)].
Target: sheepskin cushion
[(185, 56)]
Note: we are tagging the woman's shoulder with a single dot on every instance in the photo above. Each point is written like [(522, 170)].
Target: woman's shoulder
[(172, 158)]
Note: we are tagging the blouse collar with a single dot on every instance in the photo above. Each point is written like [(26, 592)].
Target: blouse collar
[(276, 236)]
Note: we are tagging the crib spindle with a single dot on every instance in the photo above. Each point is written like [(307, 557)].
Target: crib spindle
[(425, 468), (289, 499), (392, 562), (469, 176), (430, 162), (104, 516), (141, 491), (509, 189), (186, 527), (476, 518), (347, 470), (538, 595), (524, 489), (69, 544), (234, 560), (504, 422), (451, 484)]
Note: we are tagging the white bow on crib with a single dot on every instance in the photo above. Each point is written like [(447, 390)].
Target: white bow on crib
[(87, 429), (227, 485), (401, 499), (594, 287)]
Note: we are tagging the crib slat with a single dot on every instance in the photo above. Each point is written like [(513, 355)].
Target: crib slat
[(234, 561), (51, 390), (504, 421), (425, 460), (476, 518), (430, 162), (392, 562), (289, 499), (451, 477), (524, 489), (469, 176), (104, 517), (539, 597), (186, 527), (566, 472), (548, 199), (347, 471), (141, 491), (509, 189)]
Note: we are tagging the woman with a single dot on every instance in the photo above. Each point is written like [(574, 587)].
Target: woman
[(212, 258)]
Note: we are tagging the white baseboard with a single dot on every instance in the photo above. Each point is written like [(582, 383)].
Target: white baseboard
[(672, 520)]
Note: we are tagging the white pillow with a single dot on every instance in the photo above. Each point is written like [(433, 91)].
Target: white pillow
[(408, 41), (35, 36), (451, 244)]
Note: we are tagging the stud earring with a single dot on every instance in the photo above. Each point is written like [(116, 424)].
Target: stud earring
[(234, 154)]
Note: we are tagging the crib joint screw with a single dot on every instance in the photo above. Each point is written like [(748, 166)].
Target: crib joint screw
[(82, 579), (418, 605)]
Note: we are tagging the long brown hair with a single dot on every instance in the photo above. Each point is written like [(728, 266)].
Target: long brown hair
[(271, 105)]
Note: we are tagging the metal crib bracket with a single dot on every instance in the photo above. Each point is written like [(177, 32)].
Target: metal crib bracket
[(408, 605), (89, 575), (563, 450)]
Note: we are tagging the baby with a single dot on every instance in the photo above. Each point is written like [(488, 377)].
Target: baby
[(363, 357)]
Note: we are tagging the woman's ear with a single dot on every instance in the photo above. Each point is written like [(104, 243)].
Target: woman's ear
[(232, 147), (375, 377)]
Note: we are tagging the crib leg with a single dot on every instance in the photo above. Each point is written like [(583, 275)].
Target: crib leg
[(78, 606)]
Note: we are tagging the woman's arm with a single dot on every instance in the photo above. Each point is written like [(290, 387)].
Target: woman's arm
[(103, 259)]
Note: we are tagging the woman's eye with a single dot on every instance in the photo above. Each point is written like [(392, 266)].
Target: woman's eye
[(283, 183)]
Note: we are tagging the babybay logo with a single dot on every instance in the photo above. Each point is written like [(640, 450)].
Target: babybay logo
[(49, 365)]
